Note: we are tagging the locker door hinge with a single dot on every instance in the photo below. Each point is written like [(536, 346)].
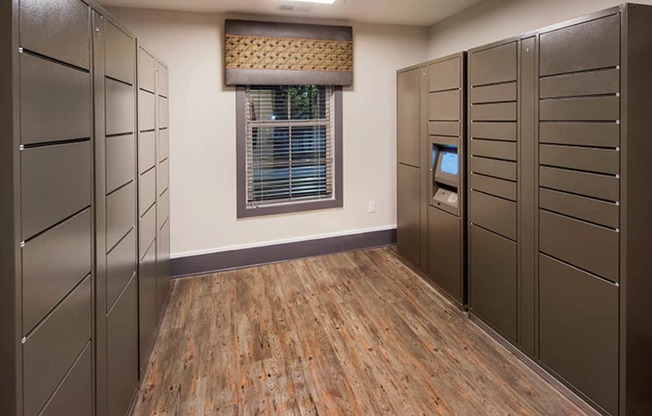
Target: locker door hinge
[(24, 340), (21, 147), (20, 50), (22, 244)]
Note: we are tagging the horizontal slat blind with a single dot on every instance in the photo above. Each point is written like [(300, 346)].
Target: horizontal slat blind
[(289, 144)]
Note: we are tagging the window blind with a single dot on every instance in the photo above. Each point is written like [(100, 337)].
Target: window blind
[(290, 146)]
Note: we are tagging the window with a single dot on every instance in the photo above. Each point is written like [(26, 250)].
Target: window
[(289, 149)]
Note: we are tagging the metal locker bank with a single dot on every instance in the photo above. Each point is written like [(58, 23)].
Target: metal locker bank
[(560, 268), (559, 201), (70, 291), (432, 150)]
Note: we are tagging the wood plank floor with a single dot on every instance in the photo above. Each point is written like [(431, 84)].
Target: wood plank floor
[(348, 334)]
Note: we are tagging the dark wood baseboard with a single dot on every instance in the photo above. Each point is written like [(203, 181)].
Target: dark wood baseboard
[(237, 259)]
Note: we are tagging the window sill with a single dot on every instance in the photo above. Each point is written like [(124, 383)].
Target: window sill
[(289, 208)]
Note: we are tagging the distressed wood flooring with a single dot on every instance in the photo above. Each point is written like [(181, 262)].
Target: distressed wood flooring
[(348, 334)]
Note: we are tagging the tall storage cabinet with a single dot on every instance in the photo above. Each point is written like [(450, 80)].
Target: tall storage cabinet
[(47, 142), (162, 187), (431, 120), (559, 225), (410, 233), (115, 161), (559, 197), (493, 172), (446, 220), (153, 196), (69, 286), (146, 201), (594, 207)]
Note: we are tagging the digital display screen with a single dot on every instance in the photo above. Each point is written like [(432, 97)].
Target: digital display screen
[(449, 163)]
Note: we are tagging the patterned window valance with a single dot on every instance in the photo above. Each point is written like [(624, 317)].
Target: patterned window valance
[(264, 53)]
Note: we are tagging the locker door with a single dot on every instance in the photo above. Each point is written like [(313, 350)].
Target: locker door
[(54, 173), (148, 201), (116, 242), (163, 189), (408, 233), (409, 116), (494, 173)]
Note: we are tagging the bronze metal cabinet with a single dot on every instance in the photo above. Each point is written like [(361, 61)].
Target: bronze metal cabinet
[(147, 201), (146, 151), (493, 282), (580, 195), (559, 223), (579, 330), (445, 256), (409, 117), (120, 161), (146, 192), (146, 111), (55, 184), (59, 30), (153, 197), (53, 101), (147, 302), (75, 394), (46, 185), (120, 267), (163, 187), (114, 62), (51, 270), (410, 211), (431, 148), (69, 293), (120, 210), (53, 348), (592, 44), (444, 164), (494, 186), (163, 267)]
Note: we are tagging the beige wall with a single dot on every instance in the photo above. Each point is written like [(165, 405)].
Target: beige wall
[(493, 20), (203, 148)]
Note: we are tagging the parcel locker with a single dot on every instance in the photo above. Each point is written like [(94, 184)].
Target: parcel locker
[(115, 189), (46, 198), (163, 187), (444, 164), (410, 210), (493, 202), (409, 222), (431, 194), (572, 199), (153, 196), (69, 296)]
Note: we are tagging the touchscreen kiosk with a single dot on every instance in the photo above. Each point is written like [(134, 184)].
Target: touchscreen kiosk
[(446, 178), (447, 168)]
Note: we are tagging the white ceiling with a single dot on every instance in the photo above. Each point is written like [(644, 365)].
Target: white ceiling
[(403, 12)]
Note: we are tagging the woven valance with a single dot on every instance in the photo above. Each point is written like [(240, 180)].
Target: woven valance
[(264, 53)]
